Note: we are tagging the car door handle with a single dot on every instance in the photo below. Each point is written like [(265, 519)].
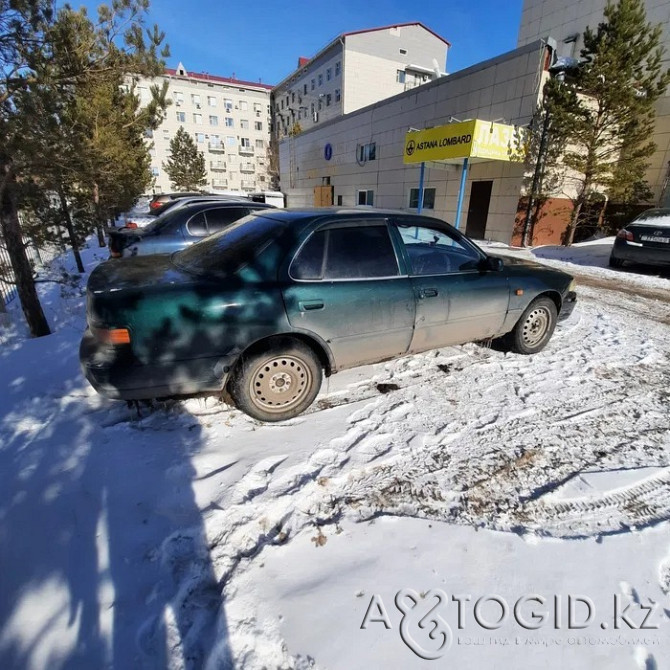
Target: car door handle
[(310, 305), (427, 293)]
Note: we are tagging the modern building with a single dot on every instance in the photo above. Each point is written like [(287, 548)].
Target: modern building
[(230, 121), (357, 69), (565, 21), (358, 158)]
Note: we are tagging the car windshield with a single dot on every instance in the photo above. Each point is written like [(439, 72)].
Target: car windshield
[(654, 217), (226, 252)]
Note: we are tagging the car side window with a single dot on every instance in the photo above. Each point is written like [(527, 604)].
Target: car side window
[(221, 217), (355, 252), (433, 252), (197, 225)]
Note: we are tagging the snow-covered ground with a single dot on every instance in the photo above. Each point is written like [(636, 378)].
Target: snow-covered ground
[(416, 504)]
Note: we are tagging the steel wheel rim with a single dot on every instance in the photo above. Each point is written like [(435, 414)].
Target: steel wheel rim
[(535, 326), (280, 383)]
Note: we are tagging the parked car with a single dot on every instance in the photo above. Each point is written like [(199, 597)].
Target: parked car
[(179, 227), (265, 308), (645, 240)]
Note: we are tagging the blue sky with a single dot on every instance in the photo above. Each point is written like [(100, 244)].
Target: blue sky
[(263, 39)]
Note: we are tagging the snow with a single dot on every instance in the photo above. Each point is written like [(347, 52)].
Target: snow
[(188, 535)]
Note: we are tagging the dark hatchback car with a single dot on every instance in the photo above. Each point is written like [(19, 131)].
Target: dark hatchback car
[(179, 228), (159, 200), (645, 240), (264, 308)]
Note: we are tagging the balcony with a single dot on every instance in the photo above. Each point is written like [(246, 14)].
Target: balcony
[(245, 151), (217, 165), (247, 167), (248, 185), (219, 183), (216, 147)]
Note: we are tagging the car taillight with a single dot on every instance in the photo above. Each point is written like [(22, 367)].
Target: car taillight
[(114, 336), (624, 234), (115, 254), (131, 224)]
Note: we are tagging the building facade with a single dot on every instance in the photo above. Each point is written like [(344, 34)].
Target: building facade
[(229, 121), (355, 70), (357, 159)]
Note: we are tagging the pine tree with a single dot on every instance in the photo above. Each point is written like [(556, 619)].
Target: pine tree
[(605, 113), (186, 165), (51, 59)]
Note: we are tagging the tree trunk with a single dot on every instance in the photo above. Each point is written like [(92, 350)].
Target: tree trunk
[(70, 231), (101, 236), (23, 273)]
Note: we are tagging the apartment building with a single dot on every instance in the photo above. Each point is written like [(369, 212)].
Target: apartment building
[(565, 21), (230, 121), (357, 69)]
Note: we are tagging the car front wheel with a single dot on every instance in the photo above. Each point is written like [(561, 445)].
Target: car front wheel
[(278, 383), (535, 327)]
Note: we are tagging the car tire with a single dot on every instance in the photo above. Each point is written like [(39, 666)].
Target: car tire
[(534, 329), (277, 383), (615, 262)]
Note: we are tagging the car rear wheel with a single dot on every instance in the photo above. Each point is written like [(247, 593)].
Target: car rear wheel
[(615, 262), (534, 329), (277, 383)]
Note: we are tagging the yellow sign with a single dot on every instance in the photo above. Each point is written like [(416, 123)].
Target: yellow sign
[(467, 139)]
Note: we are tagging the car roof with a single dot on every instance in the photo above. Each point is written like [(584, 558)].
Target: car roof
[(199, 204), (298, 213)]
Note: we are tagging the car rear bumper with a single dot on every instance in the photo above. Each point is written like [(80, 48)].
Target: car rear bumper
[(115, 373), (568, 306), (636, 253)]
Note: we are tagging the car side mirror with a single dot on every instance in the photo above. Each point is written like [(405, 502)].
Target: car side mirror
[(493, 264)]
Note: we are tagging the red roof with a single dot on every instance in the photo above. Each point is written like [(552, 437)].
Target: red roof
[(303, 61), (398, 25), (203, 76)]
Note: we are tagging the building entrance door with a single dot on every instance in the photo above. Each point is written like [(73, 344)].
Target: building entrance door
[(478, 209)]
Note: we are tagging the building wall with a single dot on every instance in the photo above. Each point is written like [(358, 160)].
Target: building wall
[(505, 87), (202, 108), (563, 19), (373, 60)]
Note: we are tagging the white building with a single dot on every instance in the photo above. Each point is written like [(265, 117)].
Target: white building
[(357, 69), (565, 21), (358, 158), (229, 120)]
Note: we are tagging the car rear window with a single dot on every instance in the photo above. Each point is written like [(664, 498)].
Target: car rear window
[(226, 252)]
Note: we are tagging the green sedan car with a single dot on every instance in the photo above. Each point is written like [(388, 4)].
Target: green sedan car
[(265, 308)]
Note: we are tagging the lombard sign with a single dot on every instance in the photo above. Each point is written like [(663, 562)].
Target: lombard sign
[(467, 139)]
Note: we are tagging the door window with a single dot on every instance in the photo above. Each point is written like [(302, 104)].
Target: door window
[(197, 226), (433, 252), (218, 219), (356, 252)]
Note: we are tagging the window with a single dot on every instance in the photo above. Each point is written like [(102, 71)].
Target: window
[(197, 118), (312, 109), (181, 117), (214, 141), (304, 89), (293, 96), (338, 68), (258, 108), (197, 225), (195, 99), (230, 141), (329, 98), (228, 104), (178, 98), (155, 171), (245, 142), (244, 106), (367, 152), (432, 251), (339, 201), (329, 74), (338, 95), (362, 251), (428, 198), (403, 52), (213, 120), (150, 133), (313, 85), (320, 80), (200, 137), (259, 144), (244, 124), (366, 197), (400, 76), (229, 122), (211, 101), (258, 125), (218, 219)]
